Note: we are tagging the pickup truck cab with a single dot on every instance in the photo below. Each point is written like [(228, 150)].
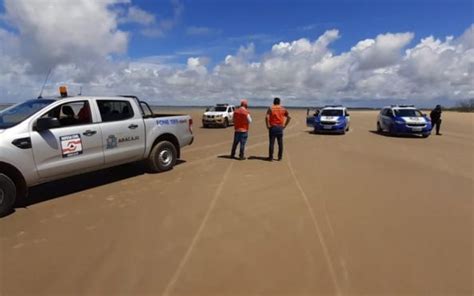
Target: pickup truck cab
[(42, 140), (403, 120), (330, 119), (220, 115)]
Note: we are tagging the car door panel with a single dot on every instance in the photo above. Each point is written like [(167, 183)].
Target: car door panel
[(123, 136), (67, 150)]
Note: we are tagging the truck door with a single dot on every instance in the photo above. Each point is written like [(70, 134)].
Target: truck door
[(73, 146), (230, 111), (123, 130)]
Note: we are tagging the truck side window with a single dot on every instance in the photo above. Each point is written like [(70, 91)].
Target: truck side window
[(115, 110), (69, 114)]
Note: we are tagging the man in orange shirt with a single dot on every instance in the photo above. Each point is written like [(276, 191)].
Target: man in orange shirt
[(242, 121), (277, 120)]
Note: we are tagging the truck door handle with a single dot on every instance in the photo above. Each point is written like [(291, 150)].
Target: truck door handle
[(89, 133), (132, 126)]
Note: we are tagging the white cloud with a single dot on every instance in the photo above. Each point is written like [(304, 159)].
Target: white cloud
[(65, 32), (304, 71), (159, 28), (137, 15)]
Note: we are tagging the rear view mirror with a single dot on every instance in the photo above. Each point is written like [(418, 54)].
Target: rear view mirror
[(47, 123)]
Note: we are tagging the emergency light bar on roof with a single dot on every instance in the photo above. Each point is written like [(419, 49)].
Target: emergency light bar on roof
[(332, 106), (222, 105), (403, 106)]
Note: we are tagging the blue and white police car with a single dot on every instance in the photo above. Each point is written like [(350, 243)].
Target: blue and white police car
[(330, 119), (403, 120)]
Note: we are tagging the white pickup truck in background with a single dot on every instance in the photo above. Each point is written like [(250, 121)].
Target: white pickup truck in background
[(220, 115), (43, 140)]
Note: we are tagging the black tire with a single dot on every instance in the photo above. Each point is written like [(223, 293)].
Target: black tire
[(379, 128), (425, 135), (7, 195), (162, 157), (226, 122)]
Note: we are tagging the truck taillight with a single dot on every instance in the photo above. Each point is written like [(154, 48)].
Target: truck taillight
[(191, 125)]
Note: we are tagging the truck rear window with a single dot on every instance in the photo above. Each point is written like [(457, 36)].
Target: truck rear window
[(115, 110)]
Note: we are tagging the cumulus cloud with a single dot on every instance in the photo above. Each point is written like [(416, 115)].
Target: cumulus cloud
[(165, 24), (65, 32), (86, 52), (137, 15)]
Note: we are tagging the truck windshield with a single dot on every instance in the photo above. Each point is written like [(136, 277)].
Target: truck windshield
[(331, 112), (218, 109), (407, 113), (15, 114)]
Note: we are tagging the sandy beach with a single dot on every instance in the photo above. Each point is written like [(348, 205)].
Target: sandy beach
[(358, 214)]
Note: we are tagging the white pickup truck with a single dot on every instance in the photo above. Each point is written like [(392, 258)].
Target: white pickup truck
[(220, 115), (43, 140)]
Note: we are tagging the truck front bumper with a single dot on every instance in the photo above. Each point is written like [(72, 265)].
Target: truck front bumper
[(213, 122)]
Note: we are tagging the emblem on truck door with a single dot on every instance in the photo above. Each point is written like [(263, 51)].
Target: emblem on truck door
[(111, 142), (71, 145)]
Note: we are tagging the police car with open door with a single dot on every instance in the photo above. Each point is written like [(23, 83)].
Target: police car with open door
[(330, 119), (403, 120)]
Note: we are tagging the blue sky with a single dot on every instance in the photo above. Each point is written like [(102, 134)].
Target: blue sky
[(184, 52), (231, 23)]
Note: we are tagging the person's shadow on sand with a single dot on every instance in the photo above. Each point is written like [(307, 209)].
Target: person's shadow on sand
[(262, 158)]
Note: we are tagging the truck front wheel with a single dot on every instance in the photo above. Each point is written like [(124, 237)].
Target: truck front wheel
[(7, 195), (162, 157)]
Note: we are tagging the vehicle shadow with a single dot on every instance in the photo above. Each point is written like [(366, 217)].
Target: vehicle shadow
[(74, 184), (324, 134), (388, 135)]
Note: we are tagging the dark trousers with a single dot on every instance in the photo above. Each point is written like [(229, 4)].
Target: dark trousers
[(239, 138), (437, 124), (276, 132)]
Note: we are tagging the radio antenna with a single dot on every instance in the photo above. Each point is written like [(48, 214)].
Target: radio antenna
[(80, 91), (44, 84)]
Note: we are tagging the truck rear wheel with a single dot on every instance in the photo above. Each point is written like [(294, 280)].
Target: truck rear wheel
[(162, 157), (7, 195)]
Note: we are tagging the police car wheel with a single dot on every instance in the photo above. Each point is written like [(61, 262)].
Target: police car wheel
[(226, 122), (379, 128), (425, 135), (7, 195), (162, 157)]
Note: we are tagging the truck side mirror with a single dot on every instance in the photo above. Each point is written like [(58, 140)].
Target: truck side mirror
[(47, 123)]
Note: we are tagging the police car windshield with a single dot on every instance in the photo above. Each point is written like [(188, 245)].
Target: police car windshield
[(17, 113), (218, 109), (407, 113), (331, 112)]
